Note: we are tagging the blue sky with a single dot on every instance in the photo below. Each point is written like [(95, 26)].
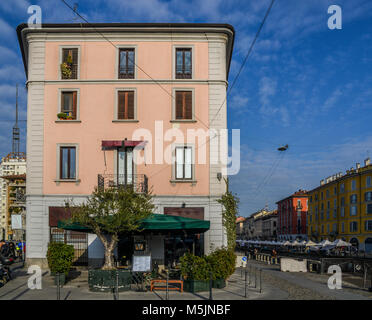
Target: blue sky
[(304, 85)]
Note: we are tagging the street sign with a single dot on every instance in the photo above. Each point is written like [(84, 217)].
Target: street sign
[(244, 259)]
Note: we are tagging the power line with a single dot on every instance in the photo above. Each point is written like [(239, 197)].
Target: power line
[(246, 57), (108, 40)]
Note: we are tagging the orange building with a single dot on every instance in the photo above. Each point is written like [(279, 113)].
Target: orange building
[(292, 212)]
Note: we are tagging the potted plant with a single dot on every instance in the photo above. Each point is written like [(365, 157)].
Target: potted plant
[(195, 272), (222, 263), (60, 257), (62, 116), (66, 68)]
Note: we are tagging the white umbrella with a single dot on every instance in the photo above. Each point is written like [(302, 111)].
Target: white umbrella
[(341, 243), (326, 243), (296, 243), (287, 243), (311, 244)]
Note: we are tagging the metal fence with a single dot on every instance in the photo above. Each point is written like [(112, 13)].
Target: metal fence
[(139, 182), (78, 240)]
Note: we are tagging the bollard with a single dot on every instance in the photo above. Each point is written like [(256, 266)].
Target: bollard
[(249, 275), (245, 285), (255, 277), (58, 287), (260, 280), (117, 285), (167, 289), (210, 285)]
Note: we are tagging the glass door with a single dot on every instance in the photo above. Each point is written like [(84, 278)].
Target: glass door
[(125, 166)]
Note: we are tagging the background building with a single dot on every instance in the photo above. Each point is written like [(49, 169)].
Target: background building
[(341, 207), (261, 225), (11, 165), (292, 213), (240, 227)]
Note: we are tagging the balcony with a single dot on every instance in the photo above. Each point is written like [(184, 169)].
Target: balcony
[(139, 182)]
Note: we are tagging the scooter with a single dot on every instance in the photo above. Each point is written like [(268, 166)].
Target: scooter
[(5, 272)]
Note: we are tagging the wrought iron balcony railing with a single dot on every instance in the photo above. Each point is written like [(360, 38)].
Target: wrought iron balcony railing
[(139, 182)]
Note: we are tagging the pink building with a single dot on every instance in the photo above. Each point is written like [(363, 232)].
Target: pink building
[(292, 213), (113, 104)]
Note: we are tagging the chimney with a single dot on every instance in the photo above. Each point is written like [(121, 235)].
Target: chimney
[(358, 165), (367, 161)]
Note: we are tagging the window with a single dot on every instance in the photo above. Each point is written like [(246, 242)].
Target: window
[(321, 195), (353, 185), (126, 63), (322, 228), (183, 163), (353, 210), (368, 196), (368, 181), (316, 197), (335, 190), (334, 227), (328, 214), (342, 227), (327, 193), (342, 187), (369, 208), (328, 204), (353, 226), (69, 67), (69, 104), (125, 105), (342, 211), (183, 108), (327, 228), (67, 162), (353, 198), (183, 63), (342, 202), (311, 199), (368, 225)]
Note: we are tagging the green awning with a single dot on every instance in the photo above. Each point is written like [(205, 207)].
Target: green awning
[(155, 223)]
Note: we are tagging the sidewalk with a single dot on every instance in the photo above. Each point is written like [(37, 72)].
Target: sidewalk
[(77, 289)]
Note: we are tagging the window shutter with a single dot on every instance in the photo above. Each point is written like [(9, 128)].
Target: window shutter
[(188, 107), (74, 55), (74, 105), (121, 104), (179, 104), (131, 105)]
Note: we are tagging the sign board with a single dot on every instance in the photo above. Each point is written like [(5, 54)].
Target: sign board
[(244, 259), (141, 264), (17, 222)]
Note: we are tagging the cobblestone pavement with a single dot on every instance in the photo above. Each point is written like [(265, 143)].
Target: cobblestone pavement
[(276, 285)]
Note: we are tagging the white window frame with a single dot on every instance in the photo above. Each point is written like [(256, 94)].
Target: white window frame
[(60, 61), (126, 46), (174, 179), (116, 106), (77, 90), (58, 172)]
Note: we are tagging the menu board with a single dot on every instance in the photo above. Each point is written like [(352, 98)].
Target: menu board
[(141, 263)]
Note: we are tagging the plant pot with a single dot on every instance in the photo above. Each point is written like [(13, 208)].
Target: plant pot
[(62, 279), (194, 286), (105, 280), (219, 283)]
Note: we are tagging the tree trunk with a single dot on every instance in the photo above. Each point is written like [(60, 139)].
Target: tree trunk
[(109, 249)]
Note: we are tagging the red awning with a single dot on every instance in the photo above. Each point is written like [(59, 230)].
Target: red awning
[(113, 144)]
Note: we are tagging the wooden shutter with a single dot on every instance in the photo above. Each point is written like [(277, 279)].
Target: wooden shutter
[(74, 105), (184, 105), (188, 105), (74, 55), (179, 104), (121, 104), (130, 107)]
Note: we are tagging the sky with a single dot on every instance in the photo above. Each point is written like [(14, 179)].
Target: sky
[(304, 84)]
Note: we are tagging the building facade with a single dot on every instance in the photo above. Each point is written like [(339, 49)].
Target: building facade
[(240, 227), (260, 225), (92, 102), (341, 207), (292, 216), (11, 165)]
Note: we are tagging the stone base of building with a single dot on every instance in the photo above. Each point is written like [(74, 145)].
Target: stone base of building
[(41, 262)]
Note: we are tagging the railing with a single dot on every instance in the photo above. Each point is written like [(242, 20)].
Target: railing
[(139, 182)]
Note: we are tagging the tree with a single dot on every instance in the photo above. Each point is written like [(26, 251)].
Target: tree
[(111, 212), (229, 214)]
